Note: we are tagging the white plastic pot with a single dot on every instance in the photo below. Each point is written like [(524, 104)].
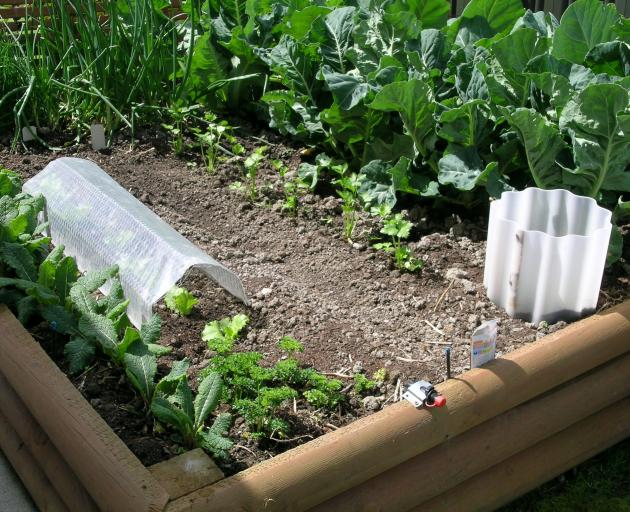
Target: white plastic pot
[(545, 254)]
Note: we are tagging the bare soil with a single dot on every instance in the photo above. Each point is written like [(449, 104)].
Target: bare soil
[(343, 300)]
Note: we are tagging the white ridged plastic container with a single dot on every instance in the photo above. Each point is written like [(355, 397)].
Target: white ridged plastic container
[(101, 224), (545, 254)]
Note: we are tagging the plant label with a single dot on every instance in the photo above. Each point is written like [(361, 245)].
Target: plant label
[(97, 133), (484, 344), (28, 133)]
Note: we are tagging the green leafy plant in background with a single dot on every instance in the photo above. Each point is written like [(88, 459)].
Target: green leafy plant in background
[(66, 64), (175, 404), (457, 112), (179, 300)]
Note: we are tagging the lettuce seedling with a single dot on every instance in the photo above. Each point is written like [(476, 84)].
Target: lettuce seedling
[(173, 404), (220, 335), (180, 300)]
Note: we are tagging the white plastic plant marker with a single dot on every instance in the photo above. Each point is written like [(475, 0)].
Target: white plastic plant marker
[(101, 224), (545, 254), (483, 346), (28, 133), (97, 135)]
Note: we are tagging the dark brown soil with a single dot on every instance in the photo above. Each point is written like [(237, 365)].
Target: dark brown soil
[(343, 301)]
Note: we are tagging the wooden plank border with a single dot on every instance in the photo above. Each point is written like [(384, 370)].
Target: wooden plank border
[(113, 476), (568, 371)]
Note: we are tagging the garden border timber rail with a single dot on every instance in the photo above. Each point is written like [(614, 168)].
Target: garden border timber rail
[(567, 394)]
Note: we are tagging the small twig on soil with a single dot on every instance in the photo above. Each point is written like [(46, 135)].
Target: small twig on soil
[(447, 343), (87, 371), (290, 440), (394, 395), (330, 425), (294, 406), (337, 374), (434, 328), (142, 153), (244, 448), (606, 304), (259, 139), (439, 301), (408, 360), (226, 151), (347, 388)]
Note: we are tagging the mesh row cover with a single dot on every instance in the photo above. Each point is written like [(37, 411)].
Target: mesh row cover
[(101, 224)]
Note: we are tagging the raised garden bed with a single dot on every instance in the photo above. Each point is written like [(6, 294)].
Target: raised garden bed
[(343, 301)]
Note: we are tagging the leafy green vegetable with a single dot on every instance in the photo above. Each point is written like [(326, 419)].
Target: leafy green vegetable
[(173, 403), (220, 335), (598, 121), (583, 26), (362, 384), (179, 300), (398, 229)]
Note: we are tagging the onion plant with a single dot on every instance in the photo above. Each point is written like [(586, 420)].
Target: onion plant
[(89, 60)]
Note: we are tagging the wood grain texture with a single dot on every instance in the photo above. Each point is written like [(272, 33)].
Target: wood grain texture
[(25, 465), (533, 467), (113, 476), (434, 472), (49, 460), (186, 473), (316, 471)]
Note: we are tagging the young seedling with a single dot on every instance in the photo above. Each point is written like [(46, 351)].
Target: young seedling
[(290, 188), (362, 384), (251, 164), (349, 193), (290, 345), (180, 300), (181, 117), (257, 391), (220, 335), (209, 140), (398, 229)]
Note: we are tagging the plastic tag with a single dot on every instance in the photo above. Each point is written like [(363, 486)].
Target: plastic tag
[(98, 137), (484, 344), (28, 133)]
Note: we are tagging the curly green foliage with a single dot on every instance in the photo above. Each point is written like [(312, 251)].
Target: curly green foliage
[(362, 384), (258, 392), (260, 412)]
